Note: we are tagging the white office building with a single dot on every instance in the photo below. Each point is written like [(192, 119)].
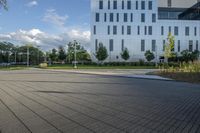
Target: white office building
[(141, 25)]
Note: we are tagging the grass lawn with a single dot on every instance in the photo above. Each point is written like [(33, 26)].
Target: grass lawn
[(191, 77), (10, 68), (99, 67)]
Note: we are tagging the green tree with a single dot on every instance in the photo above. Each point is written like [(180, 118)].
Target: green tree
[(3, 3), (149, 55), (195, 55), (169, 47), (101, 53), (82, 54), (61, 53), (125, 54), (53, 55)]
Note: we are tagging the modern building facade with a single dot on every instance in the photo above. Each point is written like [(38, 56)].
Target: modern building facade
[(141, 25)]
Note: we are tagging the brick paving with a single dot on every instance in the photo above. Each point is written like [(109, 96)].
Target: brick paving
[(41, 101)]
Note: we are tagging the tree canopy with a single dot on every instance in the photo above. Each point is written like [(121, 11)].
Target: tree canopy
[(125, 54)]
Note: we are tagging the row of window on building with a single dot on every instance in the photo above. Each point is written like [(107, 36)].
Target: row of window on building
[(148, 30), (126, 17), (126, 5), (192, 45)]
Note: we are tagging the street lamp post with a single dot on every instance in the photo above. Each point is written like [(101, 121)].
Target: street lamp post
[(75, 65)]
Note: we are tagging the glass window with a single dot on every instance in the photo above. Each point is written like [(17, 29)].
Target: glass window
[(111, 45), (108, 30), (123, 4), (109, 4), (145, 30), (176, 30), (153, 17), (125, 17), (114, 4), (162, 30), (96, 44), (101, 4), (131, 17), (136, 5), (97, 17), (150, 30), (143, 5), (164, 45), (117, 17), (122, 44), (190, 45), (122, 30), (111, 17), (129, 5), (114, 30), (94, 30), (142, 45), (105, 17), (138, 30), (169, 3), (150, 5), (195, 31), (197, 45), (179, 45), (128, 30), (142, 17), (170, 29), (153, 45), (187, 31)]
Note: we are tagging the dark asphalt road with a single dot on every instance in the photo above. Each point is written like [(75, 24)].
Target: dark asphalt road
[(41, 101)]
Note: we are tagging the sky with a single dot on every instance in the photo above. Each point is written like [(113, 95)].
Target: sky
[(47, 23)]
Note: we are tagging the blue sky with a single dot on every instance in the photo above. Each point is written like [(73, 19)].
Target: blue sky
[(57, 21)]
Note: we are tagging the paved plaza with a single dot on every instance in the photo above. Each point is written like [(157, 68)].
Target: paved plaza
[(43, 101)]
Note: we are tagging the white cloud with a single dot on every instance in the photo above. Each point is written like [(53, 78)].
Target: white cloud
[(52, 17), (32, 3), (45, 40)]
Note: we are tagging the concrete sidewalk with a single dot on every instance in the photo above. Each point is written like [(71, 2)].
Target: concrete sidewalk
[(129, 73)]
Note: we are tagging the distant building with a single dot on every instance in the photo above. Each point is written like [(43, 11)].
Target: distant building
[(142, 25)]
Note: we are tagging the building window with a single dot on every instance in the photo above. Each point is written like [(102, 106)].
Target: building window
[(142, 45), (150, 30), (117, 17), (162, 30), (143, 5), (179, 45), (108, 30), (142, 17), (101, 4), (122, 44), (187, 31), (138, 30), (97, 17), (195, 31), (136, 5), (128, 30), (153, 45), (94, 30), (197, 45), (129, 5), (125, 17), (169, 3), (176, 30), (109, 4), (122, 30), (114, 30), (105, 17), (111, 45), (114, 4), (111, 17), (153, 17), (96, 44), (131, 17), (190, 45), (164, 45), (150, 5), (145, 30), (123, 4), (170, 29)]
